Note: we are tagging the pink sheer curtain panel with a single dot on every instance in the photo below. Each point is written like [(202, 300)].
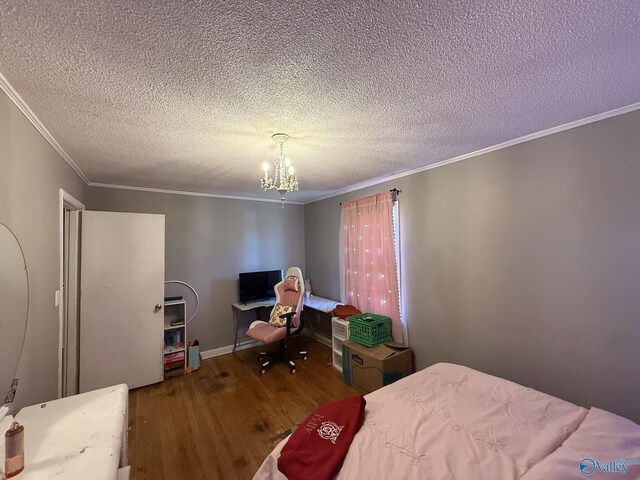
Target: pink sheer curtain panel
[(369, 258)]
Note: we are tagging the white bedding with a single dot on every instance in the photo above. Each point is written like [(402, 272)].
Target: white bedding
[(452, 422), (604, 446)]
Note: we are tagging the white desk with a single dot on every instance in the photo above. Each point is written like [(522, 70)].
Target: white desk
[(238, 307), (321, 304), (78, 437)]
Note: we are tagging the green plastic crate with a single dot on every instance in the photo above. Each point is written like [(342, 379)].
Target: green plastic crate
[(369, 329)]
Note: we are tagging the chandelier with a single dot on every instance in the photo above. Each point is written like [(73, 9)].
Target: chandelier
[(284, 179)]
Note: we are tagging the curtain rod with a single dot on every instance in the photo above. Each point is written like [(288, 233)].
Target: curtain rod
[(394, 194)]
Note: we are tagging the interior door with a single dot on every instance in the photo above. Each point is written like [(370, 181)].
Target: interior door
[(121, 296)]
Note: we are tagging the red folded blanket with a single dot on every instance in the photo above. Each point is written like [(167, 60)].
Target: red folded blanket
[(316, 450)]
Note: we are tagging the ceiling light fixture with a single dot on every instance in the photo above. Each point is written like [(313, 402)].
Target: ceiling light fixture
[(284, 179)]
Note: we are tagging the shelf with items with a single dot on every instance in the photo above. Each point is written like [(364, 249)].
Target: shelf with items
[(175, 337), (339, 334), (172, 349)]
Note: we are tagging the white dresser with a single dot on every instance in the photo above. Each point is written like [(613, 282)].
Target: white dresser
[(78, 437)]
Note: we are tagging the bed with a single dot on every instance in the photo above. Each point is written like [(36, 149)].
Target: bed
[(451, 422)]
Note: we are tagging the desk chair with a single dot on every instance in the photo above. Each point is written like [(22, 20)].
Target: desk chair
[(285, 321)]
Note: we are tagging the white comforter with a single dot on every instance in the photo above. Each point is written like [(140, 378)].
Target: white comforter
[(452, 422)]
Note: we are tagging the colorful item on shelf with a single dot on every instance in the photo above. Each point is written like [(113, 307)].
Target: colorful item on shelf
[(172, 360)]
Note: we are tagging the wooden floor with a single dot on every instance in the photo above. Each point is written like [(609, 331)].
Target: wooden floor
[(216, 422)]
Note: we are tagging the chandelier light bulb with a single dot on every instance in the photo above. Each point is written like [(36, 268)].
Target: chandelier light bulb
[(291, 170), (287, 161)]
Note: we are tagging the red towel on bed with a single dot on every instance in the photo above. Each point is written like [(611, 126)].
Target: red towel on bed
[(316, 450)]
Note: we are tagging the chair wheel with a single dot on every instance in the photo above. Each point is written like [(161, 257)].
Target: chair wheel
[(293, 370), (263, 371), (304, 358)]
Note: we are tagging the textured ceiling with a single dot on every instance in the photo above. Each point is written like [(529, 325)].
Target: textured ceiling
[(185, 95)]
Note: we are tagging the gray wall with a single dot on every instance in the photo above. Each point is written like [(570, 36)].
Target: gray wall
[(31, 172), (209, 241), (523, 263)]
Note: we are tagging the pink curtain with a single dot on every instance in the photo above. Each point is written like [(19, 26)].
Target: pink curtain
[(369, 258)]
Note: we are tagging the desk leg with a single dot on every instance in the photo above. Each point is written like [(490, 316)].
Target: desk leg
[(234, 312), (310, 325)]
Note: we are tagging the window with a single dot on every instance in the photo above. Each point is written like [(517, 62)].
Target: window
[(369, 230)]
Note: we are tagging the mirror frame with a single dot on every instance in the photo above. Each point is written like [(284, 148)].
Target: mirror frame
[(13, 368)]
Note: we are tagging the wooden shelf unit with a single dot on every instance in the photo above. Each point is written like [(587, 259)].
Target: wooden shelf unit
[(175, 338)]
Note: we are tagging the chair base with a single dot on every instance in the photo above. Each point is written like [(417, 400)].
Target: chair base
[(267, 360)]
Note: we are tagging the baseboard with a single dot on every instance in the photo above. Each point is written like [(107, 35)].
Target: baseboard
[(323, 339), (216, 352)]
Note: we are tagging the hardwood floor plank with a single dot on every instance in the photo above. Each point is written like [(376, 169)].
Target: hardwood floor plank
[(217, 422)]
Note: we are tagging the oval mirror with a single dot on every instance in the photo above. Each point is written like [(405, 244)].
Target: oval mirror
[(14, 307)]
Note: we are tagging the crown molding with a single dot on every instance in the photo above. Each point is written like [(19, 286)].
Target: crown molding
[(192, 194), (499, 146), (35, 121), (6, 87)]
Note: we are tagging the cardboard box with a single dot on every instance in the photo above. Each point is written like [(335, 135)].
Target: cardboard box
[(367, 369)]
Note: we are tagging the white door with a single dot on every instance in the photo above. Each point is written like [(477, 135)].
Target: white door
[(121, 296)]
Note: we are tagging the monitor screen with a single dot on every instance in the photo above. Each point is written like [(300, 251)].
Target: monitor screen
[(255, 286)]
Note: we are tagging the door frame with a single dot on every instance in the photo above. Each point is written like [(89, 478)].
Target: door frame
[(66, 202)]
